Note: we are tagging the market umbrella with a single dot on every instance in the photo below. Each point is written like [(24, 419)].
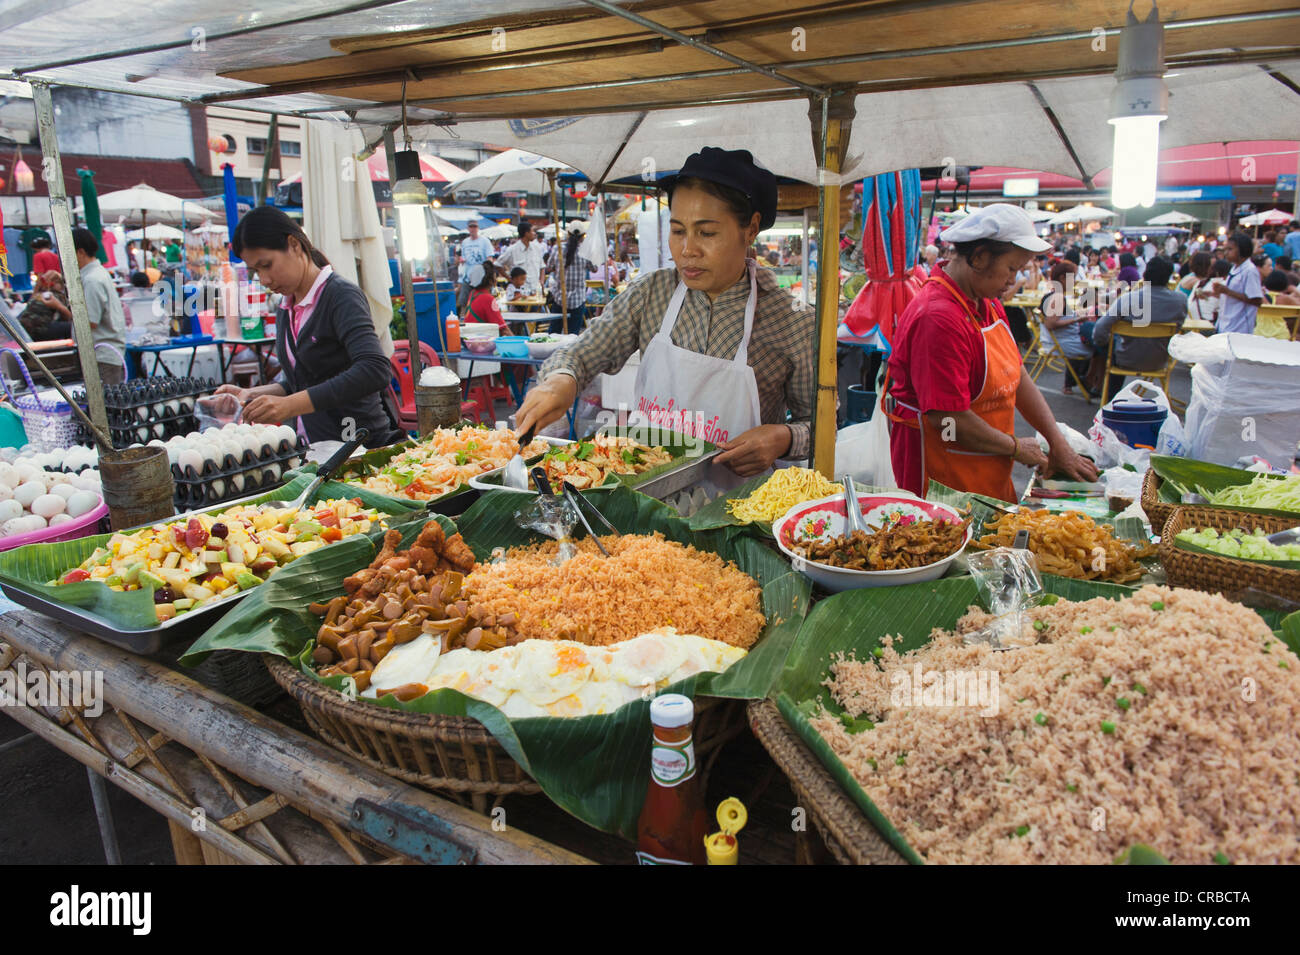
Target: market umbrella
[(497, 232), (432, 169), (1172, 218), (1081, 214), (891, 218), (1269, 217), (514, 170), (232, 202), (156, 232), (149, 204), (90, 207)]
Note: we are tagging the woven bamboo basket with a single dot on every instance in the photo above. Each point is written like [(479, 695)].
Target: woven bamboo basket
[(1225, 575), (452, 755), (848, 834), (1157, 511)]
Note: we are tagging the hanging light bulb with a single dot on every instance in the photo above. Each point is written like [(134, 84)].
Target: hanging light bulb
[(1140, 105), (24, 180), (410, 199)]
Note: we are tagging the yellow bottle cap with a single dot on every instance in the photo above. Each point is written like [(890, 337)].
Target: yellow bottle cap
[(722, 847)]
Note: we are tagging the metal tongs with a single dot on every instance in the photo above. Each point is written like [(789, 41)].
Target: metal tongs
[(579, 502), (516, 472), (852, 509)]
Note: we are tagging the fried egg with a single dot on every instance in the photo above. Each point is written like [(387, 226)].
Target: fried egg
[(647, 660), (548, 670), (477, 673), (411, 662)]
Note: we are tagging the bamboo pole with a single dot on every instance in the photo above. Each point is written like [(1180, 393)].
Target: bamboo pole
[(404, 265), (61, 214), (836, 122), (560, 283)]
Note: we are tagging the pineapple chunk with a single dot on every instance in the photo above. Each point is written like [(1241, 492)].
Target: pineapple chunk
[(305, 547), (197, 592)]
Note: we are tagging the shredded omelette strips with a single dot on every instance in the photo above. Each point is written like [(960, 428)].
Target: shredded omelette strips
[(782, 491)]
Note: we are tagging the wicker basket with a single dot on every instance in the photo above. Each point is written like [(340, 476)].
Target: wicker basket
[(848, 834), (452, 755), (1157, 511), (1224, 575)]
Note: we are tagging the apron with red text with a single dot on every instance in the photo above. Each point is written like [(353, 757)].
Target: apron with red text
[(941, 459), (712, 399)]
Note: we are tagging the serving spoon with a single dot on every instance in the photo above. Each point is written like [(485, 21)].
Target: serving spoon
[(516, 472)]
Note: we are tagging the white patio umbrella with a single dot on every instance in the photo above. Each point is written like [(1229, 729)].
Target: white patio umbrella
[(212, 228), (511, 171), (499, 232), (155, 232), (1081, 214), (549, 229), (1268, 217), (149, 204), (1172, 218), (1040, 215)]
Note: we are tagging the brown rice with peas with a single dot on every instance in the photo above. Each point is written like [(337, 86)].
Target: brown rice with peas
[(1171, 721), (646, 582)]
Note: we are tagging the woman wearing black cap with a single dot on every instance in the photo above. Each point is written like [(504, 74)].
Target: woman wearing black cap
[(726, 355)]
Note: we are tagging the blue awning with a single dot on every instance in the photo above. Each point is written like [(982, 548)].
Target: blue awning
[(1194, 194)]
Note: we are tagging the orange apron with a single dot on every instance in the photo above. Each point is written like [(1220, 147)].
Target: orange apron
[(944, 461)]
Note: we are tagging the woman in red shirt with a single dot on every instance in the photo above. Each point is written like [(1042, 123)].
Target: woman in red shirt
[(482, 302), (956, 375)]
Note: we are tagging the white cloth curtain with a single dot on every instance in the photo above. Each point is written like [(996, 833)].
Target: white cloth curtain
[(341, 218)]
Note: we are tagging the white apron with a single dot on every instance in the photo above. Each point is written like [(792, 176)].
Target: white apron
[(713, 399)]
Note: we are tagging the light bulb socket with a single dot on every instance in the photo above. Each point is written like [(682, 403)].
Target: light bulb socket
[(1140, 86), (407, 164)]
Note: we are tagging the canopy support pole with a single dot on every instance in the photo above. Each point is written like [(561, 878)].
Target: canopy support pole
[(61, 214), (830, 132), (272, 143), (404, 265), (803, 261), (561, 280), (1060, 134)]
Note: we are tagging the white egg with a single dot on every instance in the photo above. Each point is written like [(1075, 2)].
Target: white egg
[(6, 493), (293, 463), (177, 440), (156, 443), (83, 502), (8, 455), (92, 473), (32, 522), (173, 453), (58, 519), (28, 448), (219, 488), (9, 474), (28, 491), (63, 489), (9, 509), (237, 483), (26, 472), (47, 505), (87, 483), (190, 458), (213, 432), (15, 525)]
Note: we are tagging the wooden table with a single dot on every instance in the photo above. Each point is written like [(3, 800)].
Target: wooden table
[(531, 320), (1199, 325), (233, 784), (524, 302)]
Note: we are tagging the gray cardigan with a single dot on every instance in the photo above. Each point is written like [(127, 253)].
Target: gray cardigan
[(337, 359)]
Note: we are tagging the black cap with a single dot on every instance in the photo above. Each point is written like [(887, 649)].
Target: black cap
[(735, 168)]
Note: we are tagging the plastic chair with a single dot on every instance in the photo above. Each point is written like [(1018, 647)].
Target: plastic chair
[(1129, 330), (404, 395)]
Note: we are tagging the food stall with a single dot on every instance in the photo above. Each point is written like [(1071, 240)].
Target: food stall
[(381, 603)]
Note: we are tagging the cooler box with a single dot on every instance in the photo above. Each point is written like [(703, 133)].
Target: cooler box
[(431, 310)]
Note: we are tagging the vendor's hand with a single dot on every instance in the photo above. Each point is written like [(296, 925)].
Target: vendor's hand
[(243, 394), (546, 402), (1062, 459), (754, 451), (267, 409), (1029, 453)]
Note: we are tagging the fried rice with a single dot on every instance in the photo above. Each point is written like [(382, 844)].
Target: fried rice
[(646, 582), (1167, 718)]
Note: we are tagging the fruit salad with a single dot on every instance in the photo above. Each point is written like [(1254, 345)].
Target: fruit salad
[(190, 563)]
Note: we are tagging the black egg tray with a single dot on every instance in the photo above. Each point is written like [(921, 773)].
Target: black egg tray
[(198, 489), (124, 418), (130, 395)]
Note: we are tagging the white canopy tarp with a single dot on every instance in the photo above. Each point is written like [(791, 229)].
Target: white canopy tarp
[(341, 219)]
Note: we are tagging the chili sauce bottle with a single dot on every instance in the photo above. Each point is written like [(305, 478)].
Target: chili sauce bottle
[(673, 823)]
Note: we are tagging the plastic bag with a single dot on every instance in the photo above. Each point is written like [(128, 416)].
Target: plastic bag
[(1110, 449), (1008, 584), (1078, 442), (862, 452), (554, 517), (214, 411), (1172, 439)]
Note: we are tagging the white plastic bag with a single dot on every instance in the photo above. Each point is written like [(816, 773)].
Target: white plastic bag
[(1172, 439), (862, 452)]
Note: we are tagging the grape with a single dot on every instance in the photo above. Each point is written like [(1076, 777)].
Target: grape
[(164, 595), (219, 531)]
